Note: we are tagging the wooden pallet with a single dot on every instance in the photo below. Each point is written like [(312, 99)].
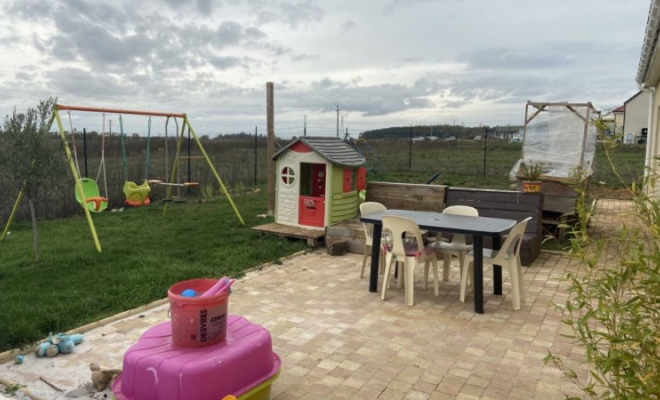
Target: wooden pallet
[(314, 237)]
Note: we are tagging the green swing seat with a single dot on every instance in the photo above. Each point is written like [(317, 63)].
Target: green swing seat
[(95, 202), (137, 195)]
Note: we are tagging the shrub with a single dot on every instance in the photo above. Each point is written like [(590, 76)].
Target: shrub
[(613, 308)]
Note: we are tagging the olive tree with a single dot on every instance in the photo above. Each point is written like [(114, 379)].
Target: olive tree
[(30, 156)]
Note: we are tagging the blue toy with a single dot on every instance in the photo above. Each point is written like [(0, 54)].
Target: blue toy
[(60, 343), (189, 293)]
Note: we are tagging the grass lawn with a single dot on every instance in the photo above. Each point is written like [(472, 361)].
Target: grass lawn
[(143, 254)]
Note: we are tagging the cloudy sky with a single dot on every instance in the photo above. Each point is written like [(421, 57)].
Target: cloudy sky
[(387, 62)]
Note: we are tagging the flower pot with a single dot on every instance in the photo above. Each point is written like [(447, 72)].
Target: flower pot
[(532, 186)]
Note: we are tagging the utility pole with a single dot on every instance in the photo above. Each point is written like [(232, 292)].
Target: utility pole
[(337, 105), (305, 128)]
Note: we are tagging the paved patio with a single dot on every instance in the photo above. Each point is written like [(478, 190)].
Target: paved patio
[(338, 341)]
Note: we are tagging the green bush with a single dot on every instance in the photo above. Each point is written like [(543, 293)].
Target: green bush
[(613, 308)]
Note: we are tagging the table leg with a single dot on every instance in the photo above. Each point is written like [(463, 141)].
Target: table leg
[(375, 254), (478, 249), (497, 269)]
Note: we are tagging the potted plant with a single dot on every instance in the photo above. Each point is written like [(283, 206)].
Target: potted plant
[(530, 174)]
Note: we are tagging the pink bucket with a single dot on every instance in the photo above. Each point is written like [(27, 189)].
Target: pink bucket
[(198, 321)]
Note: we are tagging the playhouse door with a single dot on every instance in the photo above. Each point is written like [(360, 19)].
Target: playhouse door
[(311, 208)]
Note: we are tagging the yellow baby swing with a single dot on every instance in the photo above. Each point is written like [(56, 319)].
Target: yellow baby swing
[(136, 195)]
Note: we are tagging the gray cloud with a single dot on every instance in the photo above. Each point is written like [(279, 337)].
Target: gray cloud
[(202, 7), (292, 14), (30, 9), (455, 104), (367, 100), (305, 57), (84, 83), (394, 4), (23, 76), (499, 87), (396, 60), (224, 62), (205, 7), (148, 42), (506, 58), (347, 26)]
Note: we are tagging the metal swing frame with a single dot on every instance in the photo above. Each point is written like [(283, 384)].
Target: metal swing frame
[(55, 117)]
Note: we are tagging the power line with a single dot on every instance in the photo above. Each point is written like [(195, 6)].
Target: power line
[(337, 104)]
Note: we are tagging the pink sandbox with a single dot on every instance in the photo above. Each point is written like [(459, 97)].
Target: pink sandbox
[(157, 369)]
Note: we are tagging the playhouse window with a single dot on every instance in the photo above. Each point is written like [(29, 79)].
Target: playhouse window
[(288, 176)]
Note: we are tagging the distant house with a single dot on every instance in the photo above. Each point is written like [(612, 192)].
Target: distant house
[(504, 132), (615, 120), (648, 79), (619, 119), (637, 116)]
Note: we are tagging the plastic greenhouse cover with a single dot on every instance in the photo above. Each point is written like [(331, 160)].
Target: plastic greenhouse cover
[(553, 140)]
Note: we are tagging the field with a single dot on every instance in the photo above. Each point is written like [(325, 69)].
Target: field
[(487, 165)]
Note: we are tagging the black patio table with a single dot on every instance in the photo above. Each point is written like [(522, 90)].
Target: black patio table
[(477, 227)]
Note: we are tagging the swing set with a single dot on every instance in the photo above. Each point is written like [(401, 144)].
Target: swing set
[(86, 190)]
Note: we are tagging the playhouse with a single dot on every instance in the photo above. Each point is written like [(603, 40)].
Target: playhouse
[(318, 180)]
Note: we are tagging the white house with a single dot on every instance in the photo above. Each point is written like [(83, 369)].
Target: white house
[(648, 79), (636, 117)]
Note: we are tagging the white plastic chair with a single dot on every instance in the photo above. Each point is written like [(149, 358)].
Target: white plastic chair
[(458, 246), (509, 258), (371, 207), (410, 253)]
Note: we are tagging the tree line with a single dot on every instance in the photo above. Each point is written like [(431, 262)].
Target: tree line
[(440, 131)]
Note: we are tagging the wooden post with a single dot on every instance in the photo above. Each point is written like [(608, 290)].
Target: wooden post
[(270, 117), (584, 138)]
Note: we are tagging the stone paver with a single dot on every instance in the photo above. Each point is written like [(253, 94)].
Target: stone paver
[(339, 341)]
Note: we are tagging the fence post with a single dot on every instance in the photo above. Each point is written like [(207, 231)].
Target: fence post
[(410, 150), (255, 155), (485, 148)]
